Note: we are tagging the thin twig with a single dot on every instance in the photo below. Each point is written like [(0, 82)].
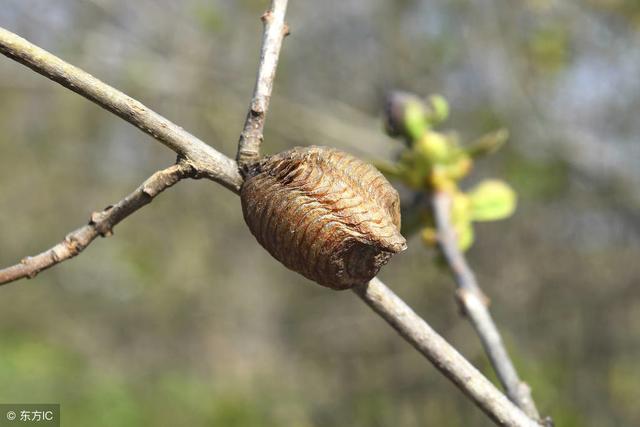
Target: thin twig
[(474, 303), (100, 224), (442, 355), (275, 29), (208, 162)]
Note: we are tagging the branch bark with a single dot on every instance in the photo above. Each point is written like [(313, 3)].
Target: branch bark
[(442, 355), (100, 224), (275, 29), (208, 162), (474, 303)]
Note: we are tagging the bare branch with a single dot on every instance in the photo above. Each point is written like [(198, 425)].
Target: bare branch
[(100, 224), (474, 303), (200, 160), (442, 355), (208, 162), (275, 29)]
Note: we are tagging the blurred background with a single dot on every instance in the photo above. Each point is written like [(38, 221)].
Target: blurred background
[(167, 323)]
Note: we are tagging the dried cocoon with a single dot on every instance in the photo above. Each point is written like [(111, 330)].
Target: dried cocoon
[(323, 213)]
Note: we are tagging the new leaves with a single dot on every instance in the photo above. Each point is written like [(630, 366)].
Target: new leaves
[(435, 161)]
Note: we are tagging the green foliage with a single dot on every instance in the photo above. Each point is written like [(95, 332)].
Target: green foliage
[(492, 200), (414, 120), (410, 117), (435, 161), (433, 149)]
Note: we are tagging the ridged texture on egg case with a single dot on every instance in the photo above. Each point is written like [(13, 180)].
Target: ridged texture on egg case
[(323, 213)]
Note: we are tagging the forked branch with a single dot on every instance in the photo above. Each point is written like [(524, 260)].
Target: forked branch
[(200, 160), (100, 224), (207, 162), (474, 304)]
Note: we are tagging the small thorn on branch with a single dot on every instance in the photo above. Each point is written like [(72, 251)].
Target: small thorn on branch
[(95, 218), (267, 17), (259, 106)]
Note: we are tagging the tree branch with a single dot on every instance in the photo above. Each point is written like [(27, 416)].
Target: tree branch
[(442, 355), (200, 160), (100, 224), (207, 162), (275, 29), (474, 303)]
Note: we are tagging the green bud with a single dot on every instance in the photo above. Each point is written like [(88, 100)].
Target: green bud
[(492, 200), (460, 167), (414, 122), (434, 147), (404, 115)]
